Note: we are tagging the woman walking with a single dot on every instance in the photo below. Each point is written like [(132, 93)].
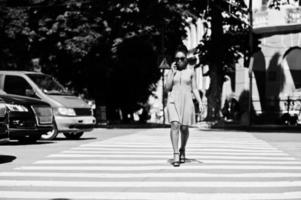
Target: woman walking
[(180, 108)]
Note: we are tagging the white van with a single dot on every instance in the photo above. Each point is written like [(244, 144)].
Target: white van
[(72, 115)]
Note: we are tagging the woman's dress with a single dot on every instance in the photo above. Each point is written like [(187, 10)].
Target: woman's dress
[(180, 107)]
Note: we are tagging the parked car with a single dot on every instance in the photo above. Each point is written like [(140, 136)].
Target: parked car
[(72, 115), (27, 118), (3, 123)]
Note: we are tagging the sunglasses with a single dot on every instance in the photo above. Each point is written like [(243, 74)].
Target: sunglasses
[(180, 59)]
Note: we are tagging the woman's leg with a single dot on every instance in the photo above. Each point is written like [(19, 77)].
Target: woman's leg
[(184, 136), (174, 136)]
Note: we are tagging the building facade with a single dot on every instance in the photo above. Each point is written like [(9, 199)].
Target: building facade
[(277, 66), (276, 70)]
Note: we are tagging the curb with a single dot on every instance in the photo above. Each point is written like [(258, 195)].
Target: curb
[(255, 127), (132, 126), (209, 126)]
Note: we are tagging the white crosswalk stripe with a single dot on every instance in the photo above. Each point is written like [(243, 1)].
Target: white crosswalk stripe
[(145, 162), (221, 166)]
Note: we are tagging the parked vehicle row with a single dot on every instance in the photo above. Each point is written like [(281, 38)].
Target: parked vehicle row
[(35, 105)]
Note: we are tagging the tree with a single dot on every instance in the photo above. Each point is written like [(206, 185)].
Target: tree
[(223, 46), (84, 43), (14, 33), (227, 41)]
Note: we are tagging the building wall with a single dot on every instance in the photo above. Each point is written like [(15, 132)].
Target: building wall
[(272, 74), (195, 32), (276, 73)]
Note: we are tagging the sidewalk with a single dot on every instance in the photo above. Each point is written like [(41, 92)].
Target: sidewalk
[(210, 126), (134, 125), (252, 127)]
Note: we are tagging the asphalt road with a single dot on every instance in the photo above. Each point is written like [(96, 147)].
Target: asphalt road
[(15, 154), (288, 142), (135, 164)]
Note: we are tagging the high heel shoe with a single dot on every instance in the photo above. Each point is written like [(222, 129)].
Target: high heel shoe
[(182, 156), (176, 160)]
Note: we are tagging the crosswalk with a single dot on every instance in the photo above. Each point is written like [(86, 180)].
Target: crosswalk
[(221, 166)]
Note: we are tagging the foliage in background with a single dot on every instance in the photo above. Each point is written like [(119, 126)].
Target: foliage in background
[(101, 45), (225, 42), (111, 48)]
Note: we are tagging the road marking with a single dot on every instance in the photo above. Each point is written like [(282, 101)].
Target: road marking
[(153, 175), (191, 153), (167, 146), (235, 166), (161, 167), (165, 156), (148, 195), (145, 162), (156, 184), (195, 144), (216, 149)]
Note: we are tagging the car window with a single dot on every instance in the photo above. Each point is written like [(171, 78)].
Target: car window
[(16, 85), (48, 84)]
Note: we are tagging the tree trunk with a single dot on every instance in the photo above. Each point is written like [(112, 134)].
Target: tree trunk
[(214, 93), (216, 74)]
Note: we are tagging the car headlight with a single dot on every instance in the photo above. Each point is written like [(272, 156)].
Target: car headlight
[(3, 109), (64, 111), (16, 108)]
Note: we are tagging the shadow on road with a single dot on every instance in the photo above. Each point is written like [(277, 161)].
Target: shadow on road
[(133, 125), (17, 143), (60, 199), (187, 161), (68, 139), (6, 159)]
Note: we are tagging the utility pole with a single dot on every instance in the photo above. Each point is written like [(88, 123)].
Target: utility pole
[(163, 102), (251, 60), (163, 65)]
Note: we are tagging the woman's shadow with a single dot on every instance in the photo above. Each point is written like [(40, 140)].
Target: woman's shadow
[(187, 161)]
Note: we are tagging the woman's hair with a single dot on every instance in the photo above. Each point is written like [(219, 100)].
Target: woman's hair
[(182, 49)]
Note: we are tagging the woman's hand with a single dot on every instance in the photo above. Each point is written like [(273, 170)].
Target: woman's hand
[(201, 107), (173, 68)]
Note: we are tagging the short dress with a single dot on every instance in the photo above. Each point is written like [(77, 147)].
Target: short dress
[(180, 107)]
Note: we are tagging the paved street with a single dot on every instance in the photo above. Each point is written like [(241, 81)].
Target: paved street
[(134, 164)]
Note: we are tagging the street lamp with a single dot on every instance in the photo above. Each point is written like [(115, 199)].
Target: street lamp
[(251, 60), (163, 66)]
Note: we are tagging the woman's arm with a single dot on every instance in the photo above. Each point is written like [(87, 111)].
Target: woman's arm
[(195, 90), (169, 78)]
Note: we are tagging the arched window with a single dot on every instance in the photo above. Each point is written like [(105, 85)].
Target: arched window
[(293, 59)]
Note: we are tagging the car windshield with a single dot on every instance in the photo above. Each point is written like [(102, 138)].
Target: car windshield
[(48, 84)]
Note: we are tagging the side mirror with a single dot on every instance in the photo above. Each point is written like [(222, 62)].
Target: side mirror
[(30, 93)]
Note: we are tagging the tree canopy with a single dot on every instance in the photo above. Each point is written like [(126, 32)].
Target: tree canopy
[(112, 48), (109, 47)]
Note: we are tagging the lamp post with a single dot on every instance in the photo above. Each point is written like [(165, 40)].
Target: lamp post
[(163, 65), (251, 61)]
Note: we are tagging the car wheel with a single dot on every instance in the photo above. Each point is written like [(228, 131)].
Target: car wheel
[(73, 135), (50, 135)]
